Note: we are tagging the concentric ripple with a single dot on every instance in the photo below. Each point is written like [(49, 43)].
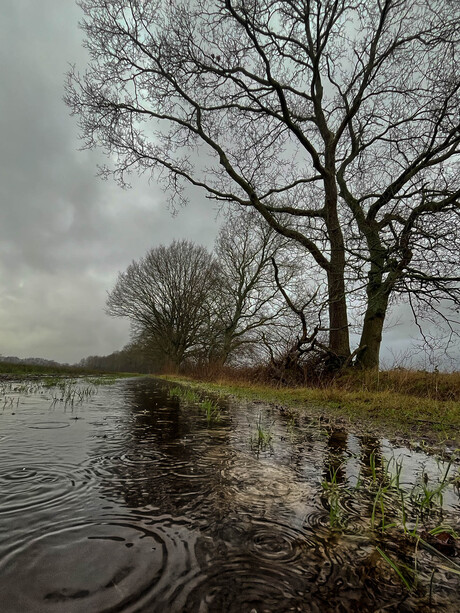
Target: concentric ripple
[(48, 425), (239, 585), (118, 565), (337, 511), (276, 542), (118, 468), (36, 486)]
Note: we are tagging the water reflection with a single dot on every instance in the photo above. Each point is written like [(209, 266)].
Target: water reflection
[(155, 509), (336, 457)]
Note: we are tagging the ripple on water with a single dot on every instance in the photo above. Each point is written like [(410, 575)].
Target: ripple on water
[(35, 486), (337, 511), (119, 467), (48, 425), (119, 565), (277, 542), (256, 485), (239, 584)]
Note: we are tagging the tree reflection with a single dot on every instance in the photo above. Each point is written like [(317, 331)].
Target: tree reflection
[(336, 457)]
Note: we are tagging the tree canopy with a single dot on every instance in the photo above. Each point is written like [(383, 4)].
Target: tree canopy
[(166, 296), (338, 121), (186, 304)]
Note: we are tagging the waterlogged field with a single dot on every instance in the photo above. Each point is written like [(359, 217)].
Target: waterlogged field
[(136, 496)]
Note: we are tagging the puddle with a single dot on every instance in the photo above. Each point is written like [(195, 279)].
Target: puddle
[(152, 502)]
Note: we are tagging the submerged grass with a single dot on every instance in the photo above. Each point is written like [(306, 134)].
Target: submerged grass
[(58, 387), (411, 517), (212, 410), (189, 396), (407, 414), (396, 568), (261, 438), (66, 390), (400, 515)]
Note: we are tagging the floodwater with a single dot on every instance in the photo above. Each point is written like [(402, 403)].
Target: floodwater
[(131, 499)]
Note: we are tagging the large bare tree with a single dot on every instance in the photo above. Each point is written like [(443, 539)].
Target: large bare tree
[(167, 295), (337, 120)]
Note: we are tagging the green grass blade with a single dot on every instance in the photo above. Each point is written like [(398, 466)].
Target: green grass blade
[(395, 568)]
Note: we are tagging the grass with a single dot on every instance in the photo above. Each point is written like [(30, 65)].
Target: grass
[(392, 506), (426, 496), (69, 388), (396, 568), (69, 391), (399, 402), (57, 373), (189, 396), (434, 386), (212, 410), (337, 521), (262, 437), (412, 517), (35, 369)]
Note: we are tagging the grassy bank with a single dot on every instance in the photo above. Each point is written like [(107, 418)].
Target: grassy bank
[(24, 371), (422, 407)]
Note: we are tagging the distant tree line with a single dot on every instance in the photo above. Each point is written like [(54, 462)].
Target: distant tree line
[(130, 359), (31, 361)]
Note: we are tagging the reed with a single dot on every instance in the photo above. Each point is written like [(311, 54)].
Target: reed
[(263, 436)]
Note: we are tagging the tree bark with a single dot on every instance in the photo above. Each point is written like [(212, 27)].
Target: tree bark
[(339, 337), (371, 336)]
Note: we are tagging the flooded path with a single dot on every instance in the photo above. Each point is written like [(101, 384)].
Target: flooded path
[(135, 499)]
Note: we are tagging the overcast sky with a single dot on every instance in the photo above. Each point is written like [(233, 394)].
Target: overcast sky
[(65, 233)]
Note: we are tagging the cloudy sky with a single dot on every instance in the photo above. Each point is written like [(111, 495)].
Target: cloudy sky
[(65, 233)]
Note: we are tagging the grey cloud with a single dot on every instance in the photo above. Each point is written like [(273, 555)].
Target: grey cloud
[(64, 233)]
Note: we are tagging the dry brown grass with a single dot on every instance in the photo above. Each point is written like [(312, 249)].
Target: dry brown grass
[(421, 384), (434, 386)]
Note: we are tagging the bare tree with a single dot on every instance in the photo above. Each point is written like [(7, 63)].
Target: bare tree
[(337, 120), (167, 295), (248, 301)]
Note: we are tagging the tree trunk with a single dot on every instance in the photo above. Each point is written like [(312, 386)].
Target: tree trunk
[(371, 336), (339, 338), (378, 292)]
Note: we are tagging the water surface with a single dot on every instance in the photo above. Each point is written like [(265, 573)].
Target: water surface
[(132, 500)]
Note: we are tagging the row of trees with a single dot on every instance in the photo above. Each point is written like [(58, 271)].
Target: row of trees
[(187, 304), (129, 359), (336, 121)]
